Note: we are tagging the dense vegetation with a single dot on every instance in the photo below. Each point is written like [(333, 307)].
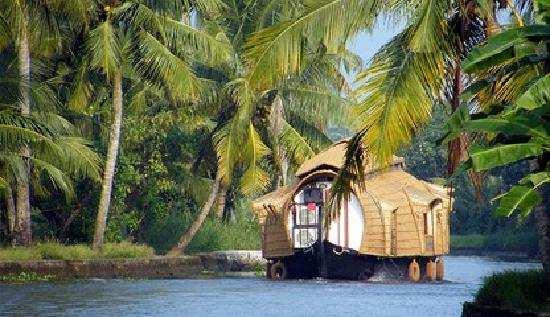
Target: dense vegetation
[(517, 290), (157, 121)]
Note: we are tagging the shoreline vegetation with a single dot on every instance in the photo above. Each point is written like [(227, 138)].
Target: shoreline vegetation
[(57, 251), (511, 294), (242, 235), (521, 243)]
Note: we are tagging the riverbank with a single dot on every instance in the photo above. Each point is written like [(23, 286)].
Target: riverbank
[(502, 245), (221, 263)]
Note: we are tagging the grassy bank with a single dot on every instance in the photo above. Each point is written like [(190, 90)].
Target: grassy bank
[(56, 251), (515, 290), (501, 241), (241, 233)]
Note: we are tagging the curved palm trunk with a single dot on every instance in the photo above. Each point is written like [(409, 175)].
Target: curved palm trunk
[(195, 226), (23, 226), (112, 151), (222, 196)]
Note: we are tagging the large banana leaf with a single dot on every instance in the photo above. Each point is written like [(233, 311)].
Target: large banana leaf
[(508, 126), (501, 47), (523, 197), (537, 95), (520, 198), (487, 158)]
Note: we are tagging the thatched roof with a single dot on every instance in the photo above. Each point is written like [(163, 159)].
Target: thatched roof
[(394, 187), (333, 157), (275, 200)]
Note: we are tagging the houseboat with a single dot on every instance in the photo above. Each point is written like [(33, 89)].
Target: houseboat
[(395, 223)]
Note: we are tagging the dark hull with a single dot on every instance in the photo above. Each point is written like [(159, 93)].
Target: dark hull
[(329, 261)]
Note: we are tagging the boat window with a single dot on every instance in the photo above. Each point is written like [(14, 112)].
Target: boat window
[(306, 214)]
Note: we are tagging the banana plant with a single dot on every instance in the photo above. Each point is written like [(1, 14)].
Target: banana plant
[(512, 92), (518, 127)]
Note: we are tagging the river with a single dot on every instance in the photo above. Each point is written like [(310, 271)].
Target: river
[(255, 296)]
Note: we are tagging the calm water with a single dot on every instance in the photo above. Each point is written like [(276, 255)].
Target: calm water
[(254, 296)]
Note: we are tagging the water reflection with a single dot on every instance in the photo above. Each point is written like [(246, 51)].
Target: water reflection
[(255, 297)]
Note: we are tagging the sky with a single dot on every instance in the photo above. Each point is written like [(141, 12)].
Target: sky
[(366, 44)]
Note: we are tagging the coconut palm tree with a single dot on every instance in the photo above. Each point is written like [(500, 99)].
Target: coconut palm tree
[(280, 125), (419, 67), (132, 39), (35, 29)]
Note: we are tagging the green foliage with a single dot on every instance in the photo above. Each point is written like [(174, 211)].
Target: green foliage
[(505, 240), (25, 277), (104, 48), (516, 290), (19, 254), (503, 47), (56, 251), (241, 233), (524, 119), (126, 250), (276, 52), (469, 241), (472, 221)]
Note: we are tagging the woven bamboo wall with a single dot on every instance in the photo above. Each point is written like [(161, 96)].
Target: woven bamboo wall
[(276, 242)]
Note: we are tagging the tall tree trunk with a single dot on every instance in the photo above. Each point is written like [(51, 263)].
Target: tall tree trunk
[(11, 213), (23, 227), (195, 226), (458, 147), (222, 196), (110, 164), (276, 120)]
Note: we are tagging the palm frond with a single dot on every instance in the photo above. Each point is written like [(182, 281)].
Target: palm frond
[(55, 175), (276, 52), (315, 136), (157, 63), (430, 26), (104, 48), (254, 179), (295, 144), (395, 96), (228, 151), (316, 105), (55, 124), (79, 160), (14, 133), (181, 38), (231, 140), (13, 165), (81, 90)]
